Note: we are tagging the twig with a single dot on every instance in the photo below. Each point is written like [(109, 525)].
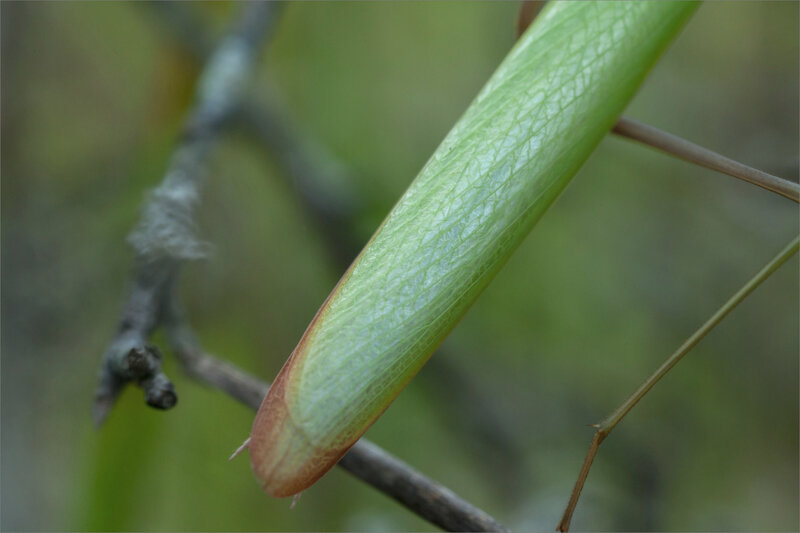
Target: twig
[(427, 498), (322, 184), (164, 237), (365, 460), (689, 151), (677, 146), (605, 427)]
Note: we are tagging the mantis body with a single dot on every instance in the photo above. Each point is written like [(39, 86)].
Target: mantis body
[(517, 146)]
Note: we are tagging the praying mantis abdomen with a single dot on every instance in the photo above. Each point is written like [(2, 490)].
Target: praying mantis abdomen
[(513, 151)]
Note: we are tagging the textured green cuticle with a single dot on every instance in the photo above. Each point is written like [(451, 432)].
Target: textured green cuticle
[(503, 164)]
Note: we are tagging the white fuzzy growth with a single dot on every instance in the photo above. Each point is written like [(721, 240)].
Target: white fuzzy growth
[(166, 229)]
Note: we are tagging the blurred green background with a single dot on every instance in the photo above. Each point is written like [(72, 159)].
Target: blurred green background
[(639, 251)]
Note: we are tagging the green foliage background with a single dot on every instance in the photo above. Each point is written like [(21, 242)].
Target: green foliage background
[(636, 254)]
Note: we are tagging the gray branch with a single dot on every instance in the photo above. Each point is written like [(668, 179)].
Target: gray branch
[(365, 460), (165, 235)]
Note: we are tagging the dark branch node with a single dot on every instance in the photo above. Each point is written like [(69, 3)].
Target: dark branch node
[(140, 364), (165, 236)]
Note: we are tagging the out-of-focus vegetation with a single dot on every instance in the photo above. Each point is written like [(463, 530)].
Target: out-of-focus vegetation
[(639, 251)]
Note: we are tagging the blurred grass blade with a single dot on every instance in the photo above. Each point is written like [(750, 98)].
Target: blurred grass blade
[(538, 118)]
